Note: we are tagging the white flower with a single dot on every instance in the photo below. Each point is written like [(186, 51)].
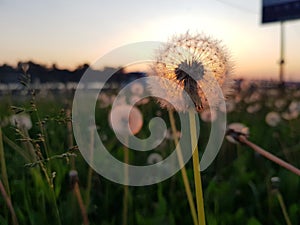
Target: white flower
[(21, 121), (229, 107), (273, 119), (294, 106), (104, 100), (253, 108), (255, 97), (138, 101), (169, 134), (290, 115), (280, 103), (118, 100), (245, 85), (208, 115), (154, 158), (137, 88), (120, 122)]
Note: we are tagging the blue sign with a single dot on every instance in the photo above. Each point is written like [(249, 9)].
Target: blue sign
[(280, 10)]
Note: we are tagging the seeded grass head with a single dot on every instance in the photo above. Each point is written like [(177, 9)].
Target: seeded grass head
[(196, 63)]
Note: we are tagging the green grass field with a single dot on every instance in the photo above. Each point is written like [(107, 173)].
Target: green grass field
[(36, 161)]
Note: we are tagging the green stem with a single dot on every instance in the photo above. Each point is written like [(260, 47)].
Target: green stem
[(196, 168), (90, 170), (183, 170), (3, 165), (126, 189), (17, 148), (56, 211), (283, 208), (70, 137)]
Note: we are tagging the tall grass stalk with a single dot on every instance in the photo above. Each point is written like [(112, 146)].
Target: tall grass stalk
[(17, 148), (196, 168), (90, 170), (9, 204), (283, 207), (3, 166), (70, 137), (183, 169)]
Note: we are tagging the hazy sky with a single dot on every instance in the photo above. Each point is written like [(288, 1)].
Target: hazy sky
[(72, 32)]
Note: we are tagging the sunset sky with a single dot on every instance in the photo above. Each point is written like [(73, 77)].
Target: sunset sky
[(73, 32)]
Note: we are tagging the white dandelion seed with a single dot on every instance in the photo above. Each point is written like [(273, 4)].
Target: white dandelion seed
[(253, 108), (21, 121), (290, 115), (104, 100), (121, 123), (208, 115), (169, 134), (228, 107), (137, 100), (273, 119), (294, 106), (154, 158), (137, 88), (280, 103)]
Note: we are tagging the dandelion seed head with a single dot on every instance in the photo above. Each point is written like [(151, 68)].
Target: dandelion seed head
[(154, 158), (196, 64), (208, 115), (294, 106), (21, 121), (280, 103), (253, 108), (137, 88), (121, 123), (273, 119), (237, 127), (290, 115)]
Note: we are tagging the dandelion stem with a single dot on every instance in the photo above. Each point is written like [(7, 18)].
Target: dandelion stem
[(90, 170), (80, 203), (196, 168), (269, 156), (283, 208), (73, 175), (126, 190), (183, 170)]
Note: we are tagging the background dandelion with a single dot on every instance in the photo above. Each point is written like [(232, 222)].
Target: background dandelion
[(273, 119)]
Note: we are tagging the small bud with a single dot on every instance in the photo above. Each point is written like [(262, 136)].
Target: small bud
[(73, 176), (275, 182)]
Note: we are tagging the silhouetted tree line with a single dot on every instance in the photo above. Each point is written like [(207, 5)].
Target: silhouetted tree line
[(43, 74)]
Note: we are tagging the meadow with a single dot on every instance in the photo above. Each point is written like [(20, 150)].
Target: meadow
[(47, 181)]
